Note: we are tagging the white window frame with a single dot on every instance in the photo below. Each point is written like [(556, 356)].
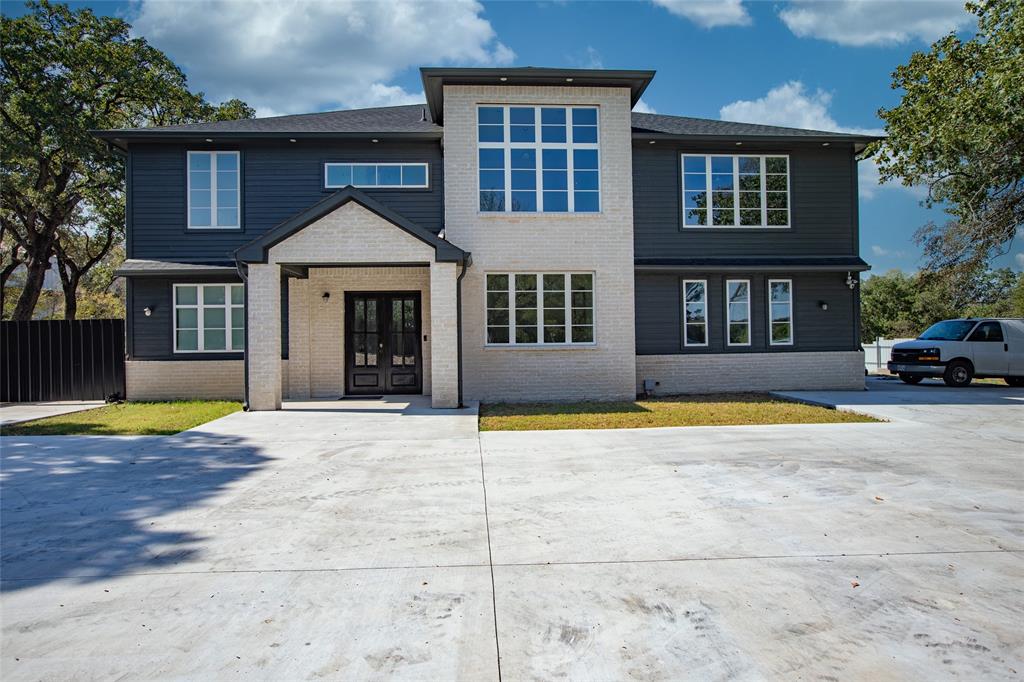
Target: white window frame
[(199, 306), (686, 322), (728, 316), (772, 323), (736, 192), (507, 146), (377, 166), (213, 189), (567, 276)]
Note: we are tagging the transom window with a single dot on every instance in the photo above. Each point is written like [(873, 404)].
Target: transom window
[(213, 190), (540, 308), (737, 312), (395, 175), (695, 312), (780, 311), (209, 317), (538, 159), (735, 191)]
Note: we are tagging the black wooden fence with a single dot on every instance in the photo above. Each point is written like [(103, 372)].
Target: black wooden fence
[(61, 360)]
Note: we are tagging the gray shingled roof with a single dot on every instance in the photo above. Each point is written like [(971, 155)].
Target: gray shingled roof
[(415, 119), (684, 125), (411, 118)]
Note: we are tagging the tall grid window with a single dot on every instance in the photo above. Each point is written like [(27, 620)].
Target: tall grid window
[(695, 312), (735, 191), (737, 312), (209, 317), (540, 308), (538, 159), (213, 190), (780, 311)]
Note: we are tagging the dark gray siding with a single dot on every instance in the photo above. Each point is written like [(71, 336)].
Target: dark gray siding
[(823, 196), (151, 338), (659, 306), (278, 181)]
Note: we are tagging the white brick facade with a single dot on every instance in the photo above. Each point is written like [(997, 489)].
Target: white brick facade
[(184, 379), (722, 372), (263, 352), (601, 243)]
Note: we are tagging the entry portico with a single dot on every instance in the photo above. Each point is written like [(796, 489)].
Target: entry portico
[(372, 302)]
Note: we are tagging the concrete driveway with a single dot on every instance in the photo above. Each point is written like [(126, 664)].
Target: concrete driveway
[(379, 540)]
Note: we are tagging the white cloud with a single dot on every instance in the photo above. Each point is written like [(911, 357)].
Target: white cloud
[(643, 107), (291, 56), (792, 105), (1019, 257), (880, 251), (708, 13), (874, 22)]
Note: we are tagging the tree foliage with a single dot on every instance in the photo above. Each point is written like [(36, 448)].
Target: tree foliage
[(897, 305), (64, 73), (959, 131)]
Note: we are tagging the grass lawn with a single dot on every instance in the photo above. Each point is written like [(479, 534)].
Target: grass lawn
[(698, 410), (128, 419)]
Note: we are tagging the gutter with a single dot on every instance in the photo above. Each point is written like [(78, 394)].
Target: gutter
[(458, 321)]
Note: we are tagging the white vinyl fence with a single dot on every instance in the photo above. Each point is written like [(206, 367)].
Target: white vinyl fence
[(876, 354)]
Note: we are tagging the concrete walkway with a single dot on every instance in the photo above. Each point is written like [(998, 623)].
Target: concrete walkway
[(14, 413), (383, 540)]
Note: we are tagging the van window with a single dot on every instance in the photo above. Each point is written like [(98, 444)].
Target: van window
[(987, 331)]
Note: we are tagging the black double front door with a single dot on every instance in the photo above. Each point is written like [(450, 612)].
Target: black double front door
[(382, 343)]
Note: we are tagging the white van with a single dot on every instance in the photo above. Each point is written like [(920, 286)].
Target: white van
[(959, 350)]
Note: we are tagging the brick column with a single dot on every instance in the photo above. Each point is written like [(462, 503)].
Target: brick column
[(264, 324), (444, 342), (298, 339)]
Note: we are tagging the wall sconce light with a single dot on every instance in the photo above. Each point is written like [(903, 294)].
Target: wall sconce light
[(326, 296), (147, 311), (823, 305)]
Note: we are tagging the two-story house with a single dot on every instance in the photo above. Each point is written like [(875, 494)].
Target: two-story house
[(520, 236)]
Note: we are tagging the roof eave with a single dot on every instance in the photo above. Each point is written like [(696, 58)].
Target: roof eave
[(121, 138), (434, 80)]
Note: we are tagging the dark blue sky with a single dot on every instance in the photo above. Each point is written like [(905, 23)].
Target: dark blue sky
[(834, 75)]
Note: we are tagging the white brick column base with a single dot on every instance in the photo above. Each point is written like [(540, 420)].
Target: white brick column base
[(264, 325), (444, 340)]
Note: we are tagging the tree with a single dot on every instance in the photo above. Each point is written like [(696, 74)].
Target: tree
[(887, 306), (959, 130), (62, 74)]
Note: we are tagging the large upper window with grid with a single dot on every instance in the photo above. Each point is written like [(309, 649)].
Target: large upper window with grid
[(735, 191), (209, 317), (538, 159), (540, 308), (213, 191)]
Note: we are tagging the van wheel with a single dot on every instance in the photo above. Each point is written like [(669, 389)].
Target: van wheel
[(910, 378), (958, 374), (1015, 381)]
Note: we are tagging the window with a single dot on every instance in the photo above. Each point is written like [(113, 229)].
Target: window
[(780, 311), (735, 191), (737, 312), (213, 190), (391, 175), (209, 317), (538, 159), (695, 312), (540, 308), (987, 332)]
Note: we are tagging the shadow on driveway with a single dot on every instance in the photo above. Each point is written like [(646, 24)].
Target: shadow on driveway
[(84, 507)]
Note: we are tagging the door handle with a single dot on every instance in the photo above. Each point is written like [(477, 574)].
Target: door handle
[(1006, 347)]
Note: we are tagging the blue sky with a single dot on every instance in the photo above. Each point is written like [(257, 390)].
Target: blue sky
[(823, 65)]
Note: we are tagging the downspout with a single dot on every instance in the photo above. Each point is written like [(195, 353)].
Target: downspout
[(458, 320), (245, 350)]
